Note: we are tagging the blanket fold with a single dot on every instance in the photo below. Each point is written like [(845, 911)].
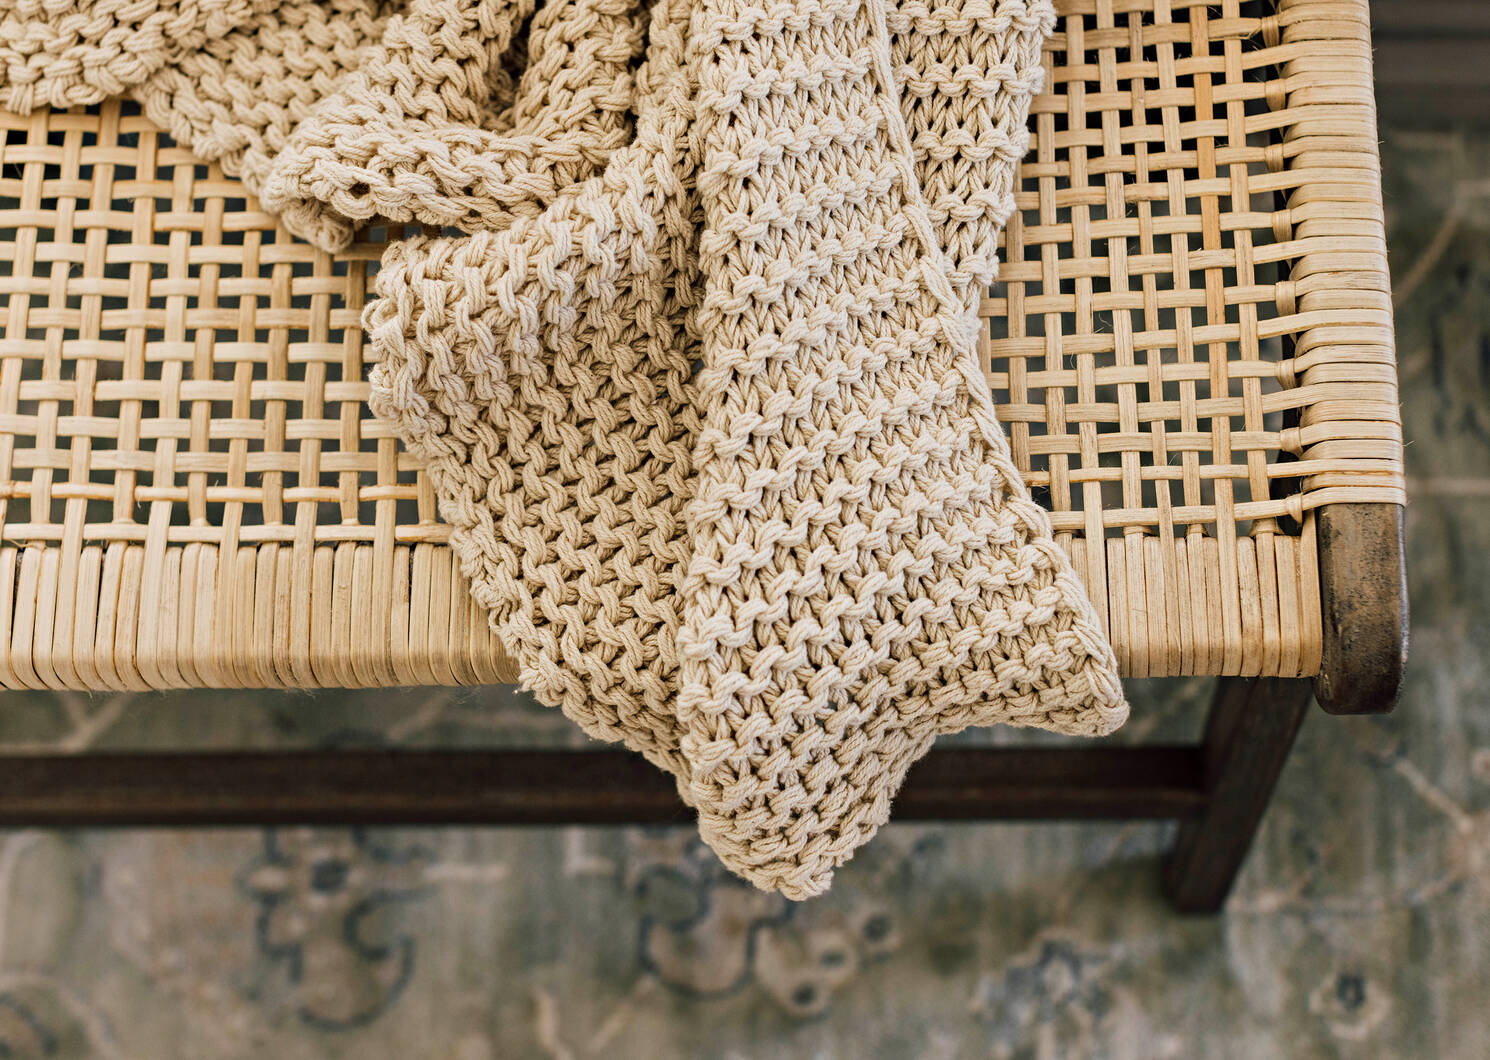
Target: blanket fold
[(413, 135), (692, 368)]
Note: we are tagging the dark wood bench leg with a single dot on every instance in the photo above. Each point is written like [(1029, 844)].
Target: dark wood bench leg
[(1363, 588), (1248, 736)]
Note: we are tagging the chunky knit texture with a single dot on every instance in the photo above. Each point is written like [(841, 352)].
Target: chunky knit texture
[(340, 112), (696, 384), (544, 375), (231, 79), (237, 100), (412, 136), (866, 569), (711, 431), (75, 52)]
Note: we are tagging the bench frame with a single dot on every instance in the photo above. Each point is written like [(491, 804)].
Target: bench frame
[(1218, 790)]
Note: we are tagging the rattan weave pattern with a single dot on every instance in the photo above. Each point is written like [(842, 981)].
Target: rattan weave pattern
[(1191, 347)]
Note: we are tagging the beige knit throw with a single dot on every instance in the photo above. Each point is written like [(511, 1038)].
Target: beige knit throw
[(713, 437), (698, 390)]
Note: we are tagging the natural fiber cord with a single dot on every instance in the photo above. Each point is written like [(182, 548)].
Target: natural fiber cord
[(414, 136), (544, 375), (697, 385), (74, 52), (238, 99)]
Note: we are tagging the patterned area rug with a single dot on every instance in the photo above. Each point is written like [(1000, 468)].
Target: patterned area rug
[(1360, 927)]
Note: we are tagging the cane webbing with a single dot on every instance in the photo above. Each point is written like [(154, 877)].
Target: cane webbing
[(1190, 346)]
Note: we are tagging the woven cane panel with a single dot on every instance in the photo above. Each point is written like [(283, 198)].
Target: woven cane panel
[(1190, 346)]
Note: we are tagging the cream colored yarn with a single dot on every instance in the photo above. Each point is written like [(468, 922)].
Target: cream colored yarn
[(229, 78), (779, 576), (71, 53), (867, 569), (967, 73), (237, 100), (543, 375), (341, 112), (412, 135)]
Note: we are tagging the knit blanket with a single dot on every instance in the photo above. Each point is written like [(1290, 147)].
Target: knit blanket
[(688, 350)]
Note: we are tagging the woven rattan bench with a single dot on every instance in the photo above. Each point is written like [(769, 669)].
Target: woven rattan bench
[(1191, 347)]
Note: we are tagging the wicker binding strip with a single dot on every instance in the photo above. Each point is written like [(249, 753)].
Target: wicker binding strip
[(1191, 348)]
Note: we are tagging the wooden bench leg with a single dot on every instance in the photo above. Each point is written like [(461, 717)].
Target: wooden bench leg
[(1248, 735)]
